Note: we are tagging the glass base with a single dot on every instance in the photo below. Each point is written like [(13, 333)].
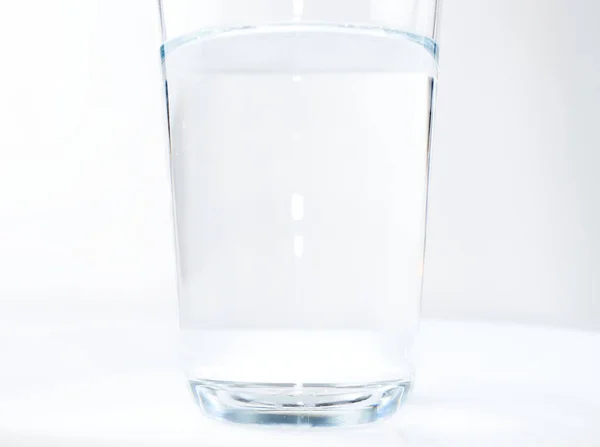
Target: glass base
[(299, 404)]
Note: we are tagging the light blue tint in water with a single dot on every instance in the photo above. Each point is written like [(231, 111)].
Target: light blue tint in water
[(300, 158)]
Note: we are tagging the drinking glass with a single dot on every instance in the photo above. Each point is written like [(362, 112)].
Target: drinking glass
[(299, 141)]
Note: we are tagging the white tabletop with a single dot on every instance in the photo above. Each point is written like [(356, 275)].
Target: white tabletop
[(101, 382)]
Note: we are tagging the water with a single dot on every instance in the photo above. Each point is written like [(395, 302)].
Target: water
[(299, 158)]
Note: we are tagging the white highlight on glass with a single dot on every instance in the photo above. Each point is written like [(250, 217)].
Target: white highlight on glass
[(298, 245), (298, 389), (298, 8), (297, 207), (296, 78)]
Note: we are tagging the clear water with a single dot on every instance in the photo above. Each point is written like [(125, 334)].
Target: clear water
[(300, 158)]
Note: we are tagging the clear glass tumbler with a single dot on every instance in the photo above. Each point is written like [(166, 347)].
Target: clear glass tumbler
[(300, 141)]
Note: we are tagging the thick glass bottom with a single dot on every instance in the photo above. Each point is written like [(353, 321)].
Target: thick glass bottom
[(300, 404)]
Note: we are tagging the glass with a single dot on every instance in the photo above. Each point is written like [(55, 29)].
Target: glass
[(300, 141)]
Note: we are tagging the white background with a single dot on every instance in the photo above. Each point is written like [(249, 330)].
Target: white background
[(84, 193)]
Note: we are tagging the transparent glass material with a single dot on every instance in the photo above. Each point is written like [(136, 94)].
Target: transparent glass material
[(300, 141)]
